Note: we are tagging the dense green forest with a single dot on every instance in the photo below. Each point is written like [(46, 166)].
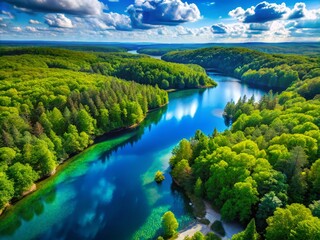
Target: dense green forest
[(312, 49), (138, 68), (266, 166), (54, 102), (262, 69)]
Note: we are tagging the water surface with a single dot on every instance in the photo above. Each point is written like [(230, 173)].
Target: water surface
[(108, 191)]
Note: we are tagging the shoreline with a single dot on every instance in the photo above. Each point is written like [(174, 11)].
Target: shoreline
[(96, 140)]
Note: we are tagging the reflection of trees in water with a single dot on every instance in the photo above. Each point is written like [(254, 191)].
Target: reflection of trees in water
[(9, 224), (153, 118)]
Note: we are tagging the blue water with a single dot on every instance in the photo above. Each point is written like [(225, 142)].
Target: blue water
[(110, 193)]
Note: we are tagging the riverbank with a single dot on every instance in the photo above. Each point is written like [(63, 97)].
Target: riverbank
[(96, 139), (211, 215)]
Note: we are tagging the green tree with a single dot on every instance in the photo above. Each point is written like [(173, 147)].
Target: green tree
[(293, 222), (6, 190), (295, 163), (242, 198), (104, 120), (164, 84), (198, 188), (250, 233), (169, 224), (43, 158), (7, 155), (71, 142), (182, 173), (159, 177), (212, 236), (268, 204), (85, 122), (182, 151), (314, 177), (198, 236), (23, 177), (315, 208)]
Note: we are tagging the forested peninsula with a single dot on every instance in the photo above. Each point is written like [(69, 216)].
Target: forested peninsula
[(266, 167), (54, 102), (250, 66)]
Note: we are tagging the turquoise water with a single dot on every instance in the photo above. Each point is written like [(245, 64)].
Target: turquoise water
[(108, 191)]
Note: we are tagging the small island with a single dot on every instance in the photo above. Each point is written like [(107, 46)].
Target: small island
[(159, 177)]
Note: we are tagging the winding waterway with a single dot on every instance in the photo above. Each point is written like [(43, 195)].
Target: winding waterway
[(108, 191)]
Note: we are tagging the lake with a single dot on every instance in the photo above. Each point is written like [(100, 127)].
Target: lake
[(108, 191)]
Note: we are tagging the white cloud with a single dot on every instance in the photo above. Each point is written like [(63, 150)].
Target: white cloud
[(34, 21), (262, 12), (7, 15), (58, 20), (219, 28), (76, 7), (31, 29), (17, 29), (105, 21), (147, 14), (116, 21), (299, 10)]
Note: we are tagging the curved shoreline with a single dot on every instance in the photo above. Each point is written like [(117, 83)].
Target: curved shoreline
[(96, 140)]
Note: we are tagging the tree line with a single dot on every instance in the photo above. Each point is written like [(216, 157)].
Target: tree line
[(262, 69)]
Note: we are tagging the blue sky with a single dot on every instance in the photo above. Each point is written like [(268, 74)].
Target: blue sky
[(171, 21)]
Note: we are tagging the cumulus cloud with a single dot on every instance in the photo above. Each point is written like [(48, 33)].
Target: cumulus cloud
[(299, 10), (34, 21), (263, 12), (58, 20), (112, 21), (117, 21), (147, 14), (219, 28), (17, 29), (259, 26), (76, 7), (31, 29), (311, 19)]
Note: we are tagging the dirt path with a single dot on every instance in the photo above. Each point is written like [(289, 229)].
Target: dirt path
[(211, 215)]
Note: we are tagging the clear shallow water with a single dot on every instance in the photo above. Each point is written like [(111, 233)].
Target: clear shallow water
[(108, 191)]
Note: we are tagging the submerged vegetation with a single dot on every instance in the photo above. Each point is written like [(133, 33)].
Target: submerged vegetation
[(266, 166), (54, 102)]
